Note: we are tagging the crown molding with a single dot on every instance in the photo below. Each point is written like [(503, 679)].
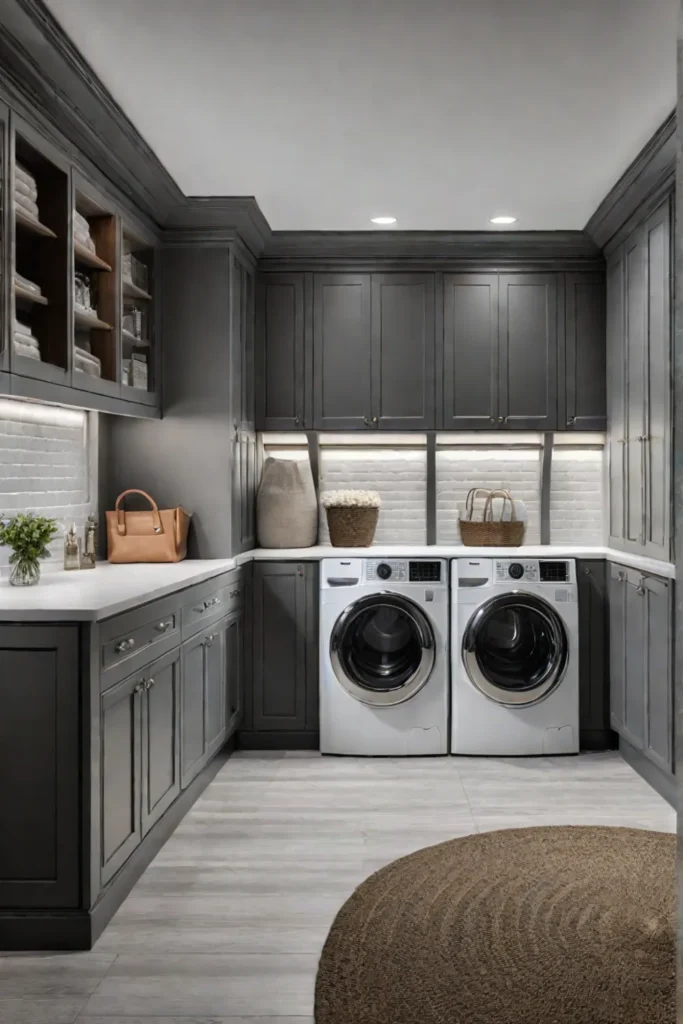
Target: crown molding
[(47, 81), (430, 247), (206, 220), (642, 185)]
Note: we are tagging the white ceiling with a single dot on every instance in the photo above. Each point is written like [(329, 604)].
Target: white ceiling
[(440, 112)]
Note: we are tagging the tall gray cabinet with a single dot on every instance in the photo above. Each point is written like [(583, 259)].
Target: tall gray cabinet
[(639, 387)]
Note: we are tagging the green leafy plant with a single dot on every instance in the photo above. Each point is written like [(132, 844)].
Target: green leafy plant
[(28, 536)]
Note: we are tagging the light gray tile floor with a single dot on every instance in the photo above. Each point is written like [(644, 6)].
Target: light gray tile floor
[(227, 924)]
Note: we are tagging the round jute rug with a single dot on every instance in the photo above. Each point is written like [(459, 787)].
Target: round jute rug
[(563, 925)]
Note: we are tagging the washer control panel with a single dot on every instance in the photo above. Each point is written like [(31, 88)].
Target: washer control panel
[(508, 570), (384, 569)]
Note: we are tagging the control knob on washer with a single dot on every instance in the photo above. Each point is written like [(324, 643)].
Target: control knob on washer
[(516, 571), (384, 571)]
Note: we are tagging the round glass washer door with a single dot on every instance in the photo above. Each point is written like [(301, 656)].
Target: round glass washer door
[(515, 649), (382, 649)]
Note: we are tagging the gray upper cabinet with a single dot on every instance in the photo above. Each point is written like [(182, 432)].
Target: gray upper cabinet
[(469, 382), (403, 351), (527, 351), (39, 763), (639, 314), (284, 647), (616, 396), (342, 363), (243, 445), (658, 423), (581, 364), (280, 372)]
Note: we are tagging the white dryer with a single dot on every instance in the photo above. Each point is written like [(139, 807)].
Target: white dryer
[(383, 656), (515, 657)]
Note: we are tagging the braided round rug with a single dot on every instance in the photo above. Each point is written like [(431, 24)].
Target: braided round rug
[(562, 925)]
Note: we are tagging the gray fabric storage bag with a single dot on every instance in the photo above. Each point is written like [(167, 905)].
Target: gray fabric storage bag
[(286, 506)]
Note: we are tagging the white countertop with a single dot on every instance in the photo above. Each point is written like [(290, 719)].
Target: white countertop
[(91, 595), (651, 565)]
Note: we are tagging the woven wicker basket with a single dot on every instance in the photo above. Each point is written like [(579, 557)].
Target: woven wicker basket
[(352, 527), (489, 532)]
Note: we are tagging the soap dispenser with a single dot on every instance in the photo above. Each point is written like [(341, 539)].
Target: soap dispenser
[(72, 549), (89, 544)]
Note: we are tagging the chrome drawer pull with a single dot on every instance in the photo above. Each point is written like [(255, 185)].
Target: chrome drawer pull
[(234, 593), (139, 687), (161, 627), (208, 640), (124, 645), (148, 684)]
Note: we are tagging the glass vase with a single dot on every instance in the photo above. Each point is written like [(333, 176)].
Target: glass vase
[(25, 572)]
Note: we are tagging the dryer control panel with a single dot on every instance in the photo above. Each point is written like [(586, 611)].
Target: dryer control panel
[(534, 570)]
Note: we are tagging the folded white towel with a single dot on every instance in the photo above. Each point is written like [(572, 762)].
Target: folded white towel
[(27, 205), (31, 342), (21, 189), (87, 363), (21, 174), (23, 349), (84, 240), (22, 328), (83, 346), (30, 286)]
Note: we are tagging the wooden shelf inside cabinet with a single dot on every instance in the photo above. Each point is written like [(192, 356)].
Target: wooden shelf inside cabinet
[(132, 340), (132, 291), (24, 295), (89, 322), (25, 220), (88, 258)]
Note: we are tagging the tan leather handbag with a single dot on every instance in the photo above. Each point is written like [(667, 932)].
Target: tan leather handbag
[(151, 536)]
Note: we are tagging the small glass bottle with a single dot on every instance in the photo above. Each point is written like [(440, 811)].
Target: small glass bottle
[(89, 544), (72, 549)]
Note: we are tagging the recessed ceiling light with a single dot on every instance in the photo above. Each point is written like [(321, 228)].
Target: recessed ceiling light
[(383, 220), (503, 220)]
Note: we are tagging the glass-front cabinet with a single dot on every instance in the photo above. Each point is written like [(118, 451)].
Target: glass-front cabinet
[(76, 284)]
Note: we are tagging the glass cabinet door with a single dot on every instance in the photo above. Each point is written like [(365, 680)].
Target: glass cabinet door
[(138, 356)]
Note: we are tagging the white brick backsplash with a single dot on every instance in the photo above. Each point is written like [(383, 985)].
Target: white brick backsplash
[(577, 496), (399, 477), (47, 466), (518, 472)]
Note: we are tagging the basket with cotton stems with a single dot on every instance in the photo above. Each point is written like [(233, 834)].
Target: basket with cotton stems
[(351, 517)]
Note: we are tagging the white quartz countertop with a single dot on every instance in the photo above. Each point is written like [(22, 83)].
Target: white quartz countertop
[(93, 594), (651, 565)]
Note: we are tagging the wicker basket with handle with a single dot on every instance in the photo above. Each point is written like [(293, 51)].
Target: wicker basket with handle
[(352, 527), (489, 532)]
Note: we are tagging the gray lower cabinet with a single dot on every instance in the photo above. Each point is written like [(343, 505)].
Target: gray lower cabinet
[(581, 364), (284, 655), (639, 315), (641, 692), (210, 705), (594, 696), (140, 755), (40, 765)]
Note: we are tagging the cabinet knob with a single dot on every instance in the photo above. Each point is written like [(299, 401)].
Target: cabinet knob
[(296, 421), (500, 419), (374, 419), (208, 640), (139, 687), (570, 420), (587, 572), (124, 645), (366, 421), (493, 419), (148, 684), (161, 627)]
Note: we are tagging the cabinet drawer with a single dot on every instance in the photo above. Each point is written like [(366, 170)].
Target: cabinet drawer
[(210, 601), (131, 640)]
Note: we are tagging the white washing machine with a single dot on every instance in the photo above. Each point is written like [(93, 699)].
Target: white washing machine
[(384, 656), (515, 656)]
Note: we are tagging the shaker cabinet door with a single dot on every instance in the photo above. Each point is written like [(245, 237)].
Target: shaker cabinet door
[(193, 741), (280, 371), (635, 281), (527, 351), (657, 433), (659, 699), (215, 669), (635, 660), (581, 383), (160, 738), (616, 396), (342, 361), (403, 351), (121, 769), (469, 381), (617, 646)]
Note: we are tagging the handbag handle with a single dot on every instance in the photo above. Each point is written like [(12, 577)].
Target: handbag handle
[(488, 507), (121, 515), (472, 496)]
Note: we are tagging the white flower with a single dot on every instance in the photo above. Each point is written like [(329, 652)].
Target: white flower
[(350, 499)]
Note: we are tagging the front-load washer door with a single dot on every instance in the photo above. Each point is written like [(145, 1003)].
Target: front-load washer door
[(382, 649), (515, 649)]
